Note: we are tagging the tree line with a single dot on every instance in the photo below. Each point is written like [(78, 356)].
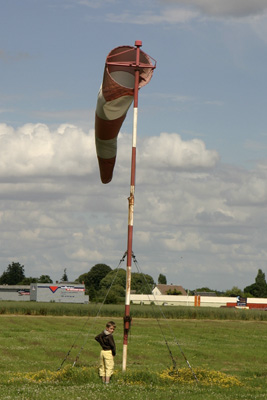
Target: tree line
[(15, 275), (101, 282)]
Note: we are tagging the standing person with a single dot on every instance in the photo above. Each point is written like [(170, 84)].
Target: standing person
[(108, 351)]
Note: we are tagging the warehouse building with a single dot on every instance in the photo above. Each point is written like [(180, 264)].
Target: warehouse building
[(63, 292), (15, 292)]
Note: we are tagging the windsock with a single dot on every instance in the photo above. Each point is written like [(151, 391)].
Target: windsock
[(115, 96)]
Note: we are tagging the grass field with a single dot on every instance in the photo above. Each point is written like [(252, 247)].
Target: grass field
[(117, 310), (227, 356)]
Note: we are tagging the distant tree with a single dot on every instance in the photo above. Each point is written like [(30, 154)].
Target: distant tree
[(234, 292), (173, 292), (190, 292), (162, 280), (113, 282), (142, 283), (251, 290), (259, 288), (137, 282), (261, 284), (65, 276), (95, 275), (116, 277), (115, 295), (93, 278), (45, 279), (82, 278), (28, 281), (13, 275), (204, 289)]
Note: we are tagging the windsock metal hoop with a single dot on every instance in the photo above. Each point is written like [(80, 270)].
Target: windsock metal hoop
[(123, 60)]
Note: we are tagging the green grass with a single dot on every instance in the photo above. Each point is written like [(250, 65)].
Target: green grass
[(137, 311), (32, 348)]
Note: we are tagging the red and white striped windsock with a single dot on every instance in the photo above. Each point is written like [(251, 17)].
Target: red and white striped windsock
[(114, 99)]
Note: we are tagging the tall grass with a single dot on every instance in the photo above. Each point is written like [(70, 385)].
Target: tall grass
[(137, 311)]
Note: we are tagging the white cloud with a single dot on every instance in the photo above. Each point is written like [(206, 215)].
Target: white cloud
[(180, 242), (193, 217), (34, 150), (170, 151), (96, 4), (259, 26), (236, 8), (171, 16), (250, 191), (184, 11)]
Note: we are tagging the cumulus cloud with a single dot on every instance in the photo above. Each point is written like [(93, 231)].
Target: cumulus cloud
[(184, 11), (170, 151), (34, 149), (171, 16), (251, 191), (237, 8), (194, 217)]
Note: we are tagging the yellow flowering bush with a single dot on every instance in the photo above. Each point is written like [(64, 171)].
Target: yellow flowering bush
[(67, 374), (204, 376)]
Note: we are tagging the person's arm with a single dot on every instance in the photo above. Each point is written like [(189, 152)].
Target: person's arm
[(98, 338), (112, 345)]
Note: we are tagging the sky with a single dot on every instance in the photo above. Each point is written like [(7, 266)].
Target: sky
[(200, 215)]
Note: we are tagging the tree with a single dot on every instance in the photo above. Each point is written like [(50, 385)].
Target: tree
[(29, 280), (96, 274), (116, 277), (65, 276), (93, 278), (174, 292), (13, 275), (259, 288), (45, 279), (234, 292), (82, 278), (142, 283), (162, 280), (261, 284), (204, 289), (101, 277), (115, 295)]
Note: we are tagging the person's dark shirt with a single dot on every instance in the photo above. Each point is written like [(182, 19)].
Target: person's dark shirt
[(106, 341)]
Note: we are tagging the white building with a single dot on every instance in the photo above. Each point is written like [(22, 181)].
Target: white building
[(199, 301)]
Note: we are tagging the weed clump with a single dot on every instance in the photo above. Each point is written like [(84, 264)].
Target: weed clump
[(204, 376), (68, 374)]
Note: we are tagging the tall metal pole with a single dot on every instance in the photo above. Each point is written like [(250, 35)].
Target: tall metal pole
[(127, 318)]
